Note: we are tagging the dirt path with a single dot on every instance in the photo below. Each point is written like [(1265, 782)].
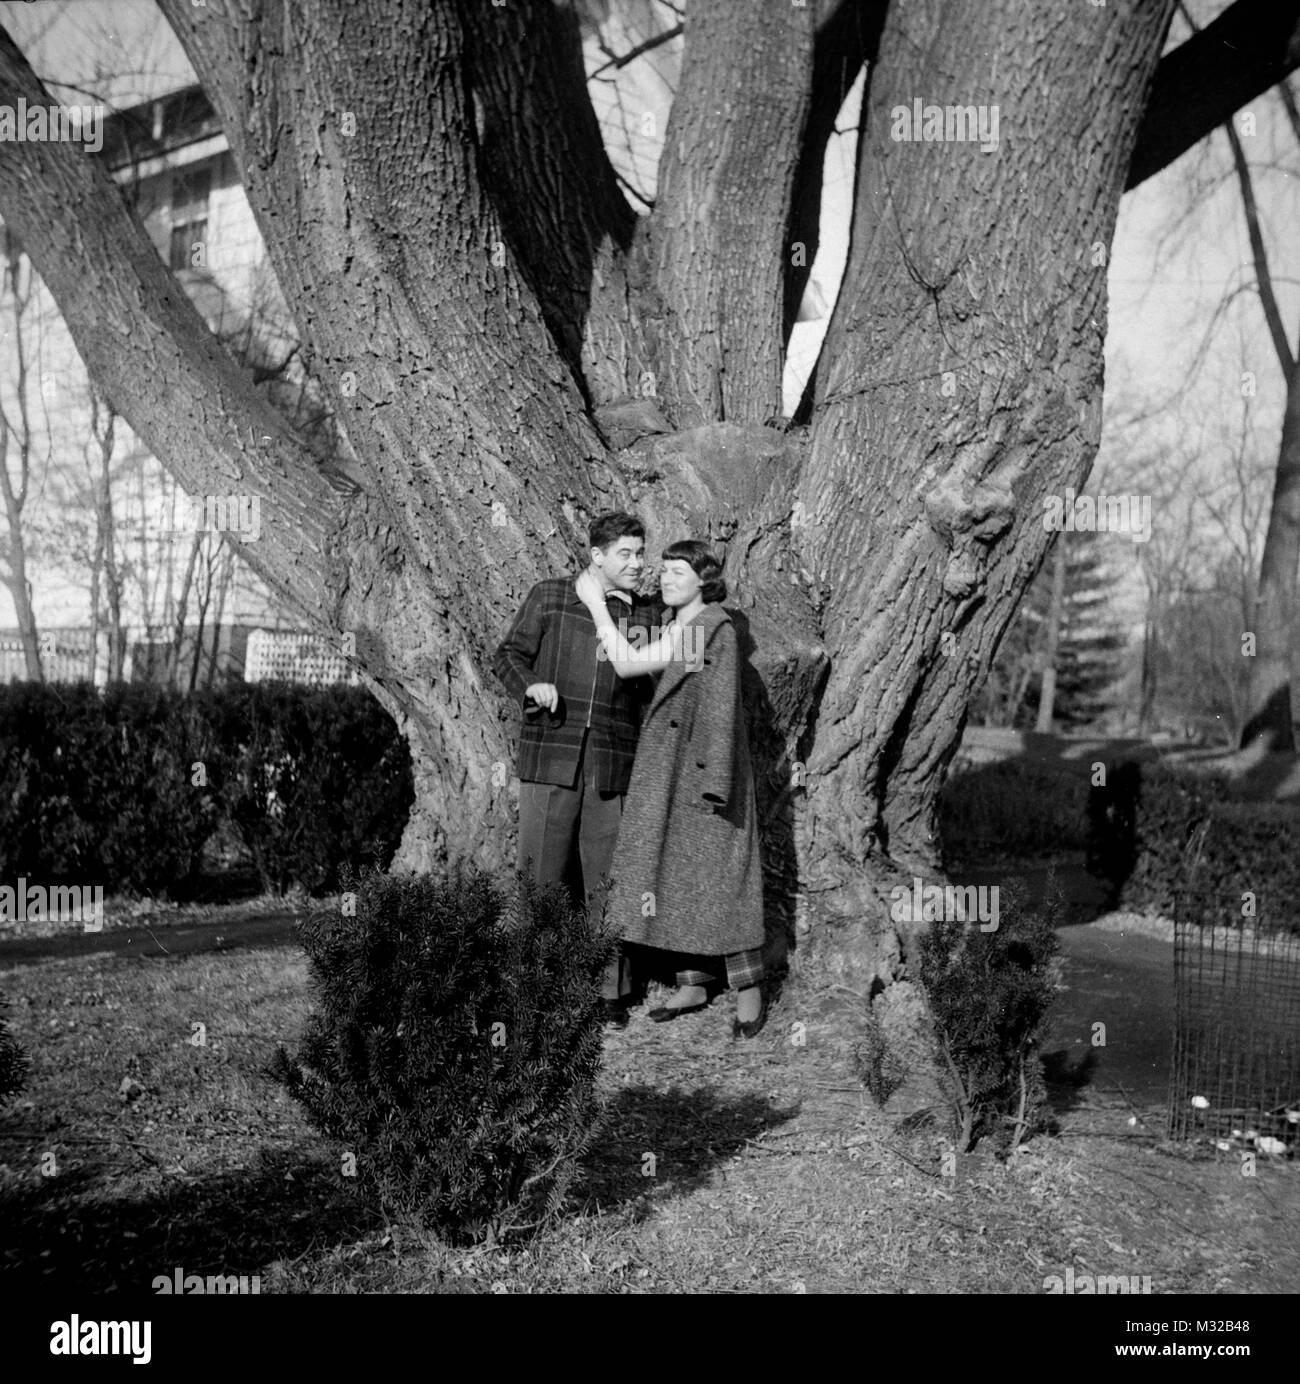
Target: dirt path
[(173, 939), (1126, 982)]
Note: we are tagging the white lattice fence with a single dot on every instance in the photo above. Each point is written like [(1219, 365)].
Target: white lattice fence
[(290, 656), (62, 663)]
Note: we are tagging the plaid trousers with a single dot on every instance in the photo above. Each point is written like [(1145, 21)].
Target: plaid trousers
[(743, 968)]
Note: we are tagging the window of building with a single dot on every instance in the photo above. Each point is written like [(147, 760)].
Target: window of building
[(190, 190)]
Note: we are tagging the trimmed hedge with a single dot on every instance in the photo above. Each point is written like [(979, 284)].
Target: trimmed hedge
[(1158, 832), (95, 788), (313, 781), (123, 788), (1012, 807)]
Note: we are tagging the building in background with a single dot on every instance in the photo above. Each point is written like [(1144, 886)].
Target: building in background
[(121, 581)]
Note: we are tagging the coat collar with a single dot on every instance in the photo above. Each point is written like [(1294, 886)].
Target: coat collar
[(677, 671), (710, 618)]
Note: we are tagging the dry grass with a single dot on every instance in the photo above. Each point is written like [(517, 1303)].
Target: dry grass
[(769, 1170)]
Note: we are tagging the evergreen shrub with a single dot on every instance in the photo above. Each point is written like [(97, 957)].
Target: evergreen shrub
[(991, 995), (455, 1047)]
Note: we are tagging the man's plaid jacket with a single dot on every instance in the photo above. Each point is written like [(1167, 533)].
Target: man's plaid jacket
[(553, 639)]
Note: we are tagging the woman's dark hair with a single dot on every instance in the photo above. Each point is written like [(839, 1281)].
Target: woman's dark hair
[(609, 528), (713, 590)]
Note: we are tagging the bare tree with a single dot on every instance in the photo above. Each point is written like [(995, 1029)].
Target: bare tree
[(107, 568), (1272, 618), (18, 447)]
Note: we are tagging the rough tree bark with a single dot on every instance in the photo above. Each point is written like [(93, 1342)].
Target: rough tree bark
[(507, 349)]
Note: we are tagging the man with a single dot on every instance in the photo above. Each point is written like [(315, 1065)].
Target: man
[(580, 722)]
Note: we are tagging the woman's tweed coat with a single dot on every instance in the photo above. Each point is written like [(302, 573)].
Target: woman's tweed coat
[(686, 874)]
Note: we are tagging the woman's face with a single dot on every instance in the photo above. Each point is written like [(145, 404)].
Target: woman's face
[(678, 583)]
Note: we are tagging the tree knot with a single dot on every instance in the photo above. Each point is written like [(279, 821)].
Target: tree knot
[(966, 514)]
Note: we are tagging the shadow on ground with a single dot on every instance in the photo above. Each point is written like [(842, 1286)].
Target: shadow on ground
[(72, 1233), (1067, 1078), (685, 1132), (68, 1234)]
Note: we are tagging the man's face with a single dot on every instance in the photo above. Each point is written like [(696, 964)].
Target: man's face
[(621, 564)]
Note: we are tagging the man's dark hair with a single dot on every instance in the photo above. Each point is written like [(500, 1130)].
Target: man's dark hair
[(609, 528), (713, 590)]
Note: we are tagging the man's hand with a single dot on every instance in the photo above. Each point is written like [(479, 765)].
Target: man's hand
[(545, 694)]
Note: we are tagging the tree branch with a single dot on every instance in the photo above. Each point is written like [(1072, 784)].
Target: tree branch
[(146, 345), (1263, 277), (717, 234), (1249, 48), (371, 198), (617, 60), (542, 161)]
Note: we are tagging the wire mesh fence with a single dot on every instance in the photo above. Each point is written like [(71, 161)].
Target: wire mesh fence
[(1236, 1064)]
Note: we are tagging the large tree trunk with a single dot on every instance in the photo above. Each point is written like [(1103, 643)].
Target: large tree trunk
[(963, 387), (507, 350)]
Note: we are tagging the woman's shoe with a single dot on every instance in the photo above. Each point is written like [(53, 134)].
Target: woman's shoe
[(751, 1029), (665, 1012)]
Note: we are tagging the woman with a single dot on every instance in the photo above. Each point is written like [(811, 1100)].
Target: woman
[(687, 873)]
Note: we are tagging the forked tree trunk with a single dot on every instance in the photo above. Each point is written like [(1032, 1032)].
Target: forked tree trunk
[(508, 350)]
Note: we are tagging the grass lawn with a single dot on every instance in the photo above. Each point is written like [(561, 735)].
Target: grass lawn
[(135, 1151)]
